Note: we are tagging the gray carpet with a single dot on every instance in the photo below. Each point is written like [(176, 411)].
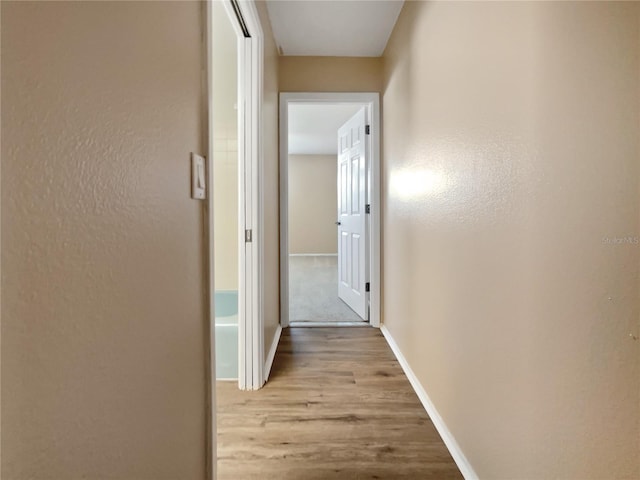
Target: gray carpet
[(313, 291)]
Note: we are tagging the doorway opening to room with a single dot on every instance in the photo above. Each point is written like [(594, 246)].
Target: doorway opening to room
[(329, 209), (234, 204)]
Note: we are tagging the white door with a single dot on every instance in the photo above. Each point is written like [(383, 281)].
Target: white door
[(352, 220)]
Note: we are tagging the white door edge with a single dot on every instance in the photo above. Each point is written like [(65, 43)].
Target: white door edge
[(372, 101), (250, 271), (250, 79)]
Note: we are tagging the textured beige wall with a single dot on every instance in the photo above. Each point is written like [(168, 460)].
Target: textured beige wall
[(313, 203), (225, 149), (330, 74), (270, 182), (102, 249), (510, 155)]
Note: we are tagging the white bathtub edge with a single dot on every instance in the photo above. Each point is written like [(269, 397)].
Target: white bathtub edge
[(227, 321)]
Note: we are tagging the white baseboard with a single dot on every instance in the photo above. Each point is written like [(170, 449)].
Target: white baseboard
[(313, 254), (272, 353), (461, 461)]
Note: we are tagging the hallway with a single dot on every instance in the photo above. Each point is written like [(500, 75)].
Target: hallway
[(337, 406)]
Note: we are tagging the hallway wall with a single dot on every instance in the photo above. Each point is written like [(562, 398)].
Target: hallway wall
[(330, 74), (313, 203), (103, 298), (511, 226)]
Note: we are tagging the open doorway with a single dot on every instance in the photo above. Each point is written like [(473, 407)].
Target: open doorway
[(225, 164), (329, 159), (234, 88), (314, 212), (234, 204)]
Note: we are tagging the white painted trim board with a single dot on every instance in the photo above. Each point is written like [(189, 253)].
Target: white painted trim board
[(447, 437), (251, 57), (313, 254), (250, 192)]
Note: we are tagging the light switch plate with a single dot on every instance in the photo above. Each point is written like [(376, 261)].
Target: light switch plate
[(198, 177)]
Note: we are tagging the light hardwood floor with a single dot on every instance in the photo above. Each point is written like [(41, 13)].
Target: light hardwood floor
[(337, 406)]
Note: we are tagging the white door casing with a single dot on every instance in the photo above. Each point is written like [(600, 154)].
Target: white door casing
[(250, 80), (352, 220), (372, 102), (250, 190)]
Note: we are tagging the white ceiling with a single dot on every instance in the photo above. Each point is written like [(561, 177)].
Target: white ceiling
[(346, 28), (313, 129)]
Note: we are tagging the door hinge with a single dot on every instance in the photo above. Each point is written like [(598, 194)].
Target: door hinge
[(367, 286), (247, 236), (367, 129), (367, 208)]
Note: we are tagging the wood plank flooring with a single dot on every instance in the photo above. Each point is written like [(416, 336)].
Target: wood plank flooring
[(337, 407)]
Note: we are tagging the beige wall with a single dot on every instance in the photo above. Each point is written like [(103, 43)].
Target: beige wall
[(510, 152), (225, 149), (103, 312), (330, 74), (270, 182), (313, 203)]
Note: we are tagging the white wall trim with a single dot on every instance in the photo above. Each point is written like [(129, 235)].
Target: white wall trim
[(255, 188), (449, 440), (313, 254), (250, 189), (250, 314), (372, 101), (271, 355)]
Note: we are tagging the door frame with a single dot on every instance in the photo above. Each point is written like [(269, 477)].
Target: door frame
[(371, 100), (250, 191)]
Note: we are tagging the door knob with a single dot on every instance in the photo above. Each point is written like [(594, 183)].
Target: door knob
[(338, 223)]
